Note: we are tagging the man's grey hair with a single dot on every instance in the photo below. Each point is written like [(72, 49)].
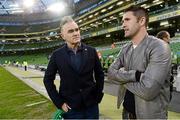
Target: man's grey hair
[(65, 20)]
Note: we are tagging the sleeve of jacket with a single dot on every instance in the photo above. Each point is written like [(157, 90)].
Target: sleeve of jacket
[(156, 73), (117, 72), (49, 78), (99, 77)]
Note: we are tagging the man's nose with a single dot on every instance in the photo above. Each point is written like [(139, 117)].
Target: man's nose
[(123, 25), (76, 33)]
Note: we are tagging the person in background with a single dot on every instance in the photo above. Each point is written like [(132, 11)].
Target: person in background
[(99, 54), (164, 35), (5, 62), (142, 68), (113, 45), (81, 75), (25, 64)]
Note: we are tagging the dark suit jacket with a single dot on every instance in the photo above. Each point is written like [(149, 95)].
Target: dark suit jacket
[(77, 88)]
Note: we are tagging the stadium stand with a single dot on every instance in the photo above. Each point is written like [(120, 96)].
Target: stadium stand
[(99, 21), (32, 36)]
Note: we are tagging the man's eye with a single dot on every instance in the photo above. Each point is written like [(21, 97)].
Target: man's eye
[(73, 30), (70, 31), (77, 29)]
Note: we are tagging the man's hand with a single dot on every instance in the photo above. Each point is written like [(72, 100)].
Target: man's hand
[(65, 107)]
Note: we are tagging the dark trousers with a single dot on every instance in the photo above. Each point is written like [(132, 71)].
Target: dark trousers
[(91, 112), (25, 68), (127, 115)]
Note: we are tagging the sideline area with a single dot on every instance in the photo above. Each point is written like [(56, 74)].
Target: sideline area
[(34, 78), (19, 101)]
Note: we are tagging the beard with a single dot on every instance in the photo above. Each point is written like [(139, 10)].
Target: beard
[(131, 33)]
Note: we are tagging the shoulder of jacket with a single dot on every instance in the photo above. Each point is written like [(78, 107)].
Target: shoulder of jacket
[(126, 46), (59, 50), (124, 49), (156, 44), (154, 41), (87, 47)]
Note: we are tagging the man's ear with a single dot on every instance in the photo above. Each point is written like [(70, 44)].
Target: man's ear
[(61, 35), (142, 20)]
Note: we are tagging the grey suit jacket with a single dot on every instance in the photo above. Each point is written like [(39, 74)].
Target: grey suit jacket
[(153, 58)]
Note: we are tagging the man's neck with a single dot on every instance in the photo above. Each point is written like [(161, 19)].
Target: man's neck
[(74, 46), (139, 37)]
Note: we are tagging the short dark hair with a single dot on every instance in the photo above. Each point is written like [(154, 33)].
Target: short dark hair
[(139, 12), (65, 20), (162, 34)]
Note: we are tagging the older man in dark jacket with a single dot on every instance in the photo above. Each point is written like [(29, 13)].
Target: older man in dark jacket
[(81, 74)]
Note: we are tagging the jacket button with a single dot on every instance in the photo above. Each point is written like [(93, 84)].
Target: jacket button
[(80, 90)]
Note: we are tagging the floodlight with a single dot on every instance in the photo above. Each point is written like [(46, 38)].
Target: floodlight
[(57, 7), (17, 11), (110, 7), (28, 3), (14, 5), (103, 10), (155, 1), (108, 35), (80, 21), (164, 23), (120, 3)]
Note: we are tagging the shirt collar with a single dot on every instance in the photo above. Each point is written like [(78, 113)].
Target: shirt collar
[(80, 48)]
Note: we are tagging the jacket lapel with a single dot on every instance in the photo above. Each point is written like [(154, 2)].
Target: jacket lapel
[(67, 58), (84, 57), (138, 50)]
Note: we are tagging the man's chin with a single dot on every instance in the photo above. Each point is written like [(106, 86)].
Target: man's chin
[(77, 42), (126, 36)]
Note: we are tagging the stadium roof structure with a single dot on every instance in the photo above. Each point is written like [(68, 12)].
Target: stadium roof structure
[(32, 16), (103, 19), (25, 6)]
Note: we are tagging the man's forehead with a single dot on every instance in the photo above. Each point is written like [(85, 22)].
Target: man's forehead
[(128, 14), (70, 24)]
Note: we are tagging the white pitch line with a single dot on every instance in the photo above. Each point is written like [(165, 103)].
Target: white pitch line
[(37, 103)]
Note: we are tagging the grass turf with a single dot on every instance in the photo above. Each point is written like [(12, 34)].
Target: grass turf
[(15, 96)]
